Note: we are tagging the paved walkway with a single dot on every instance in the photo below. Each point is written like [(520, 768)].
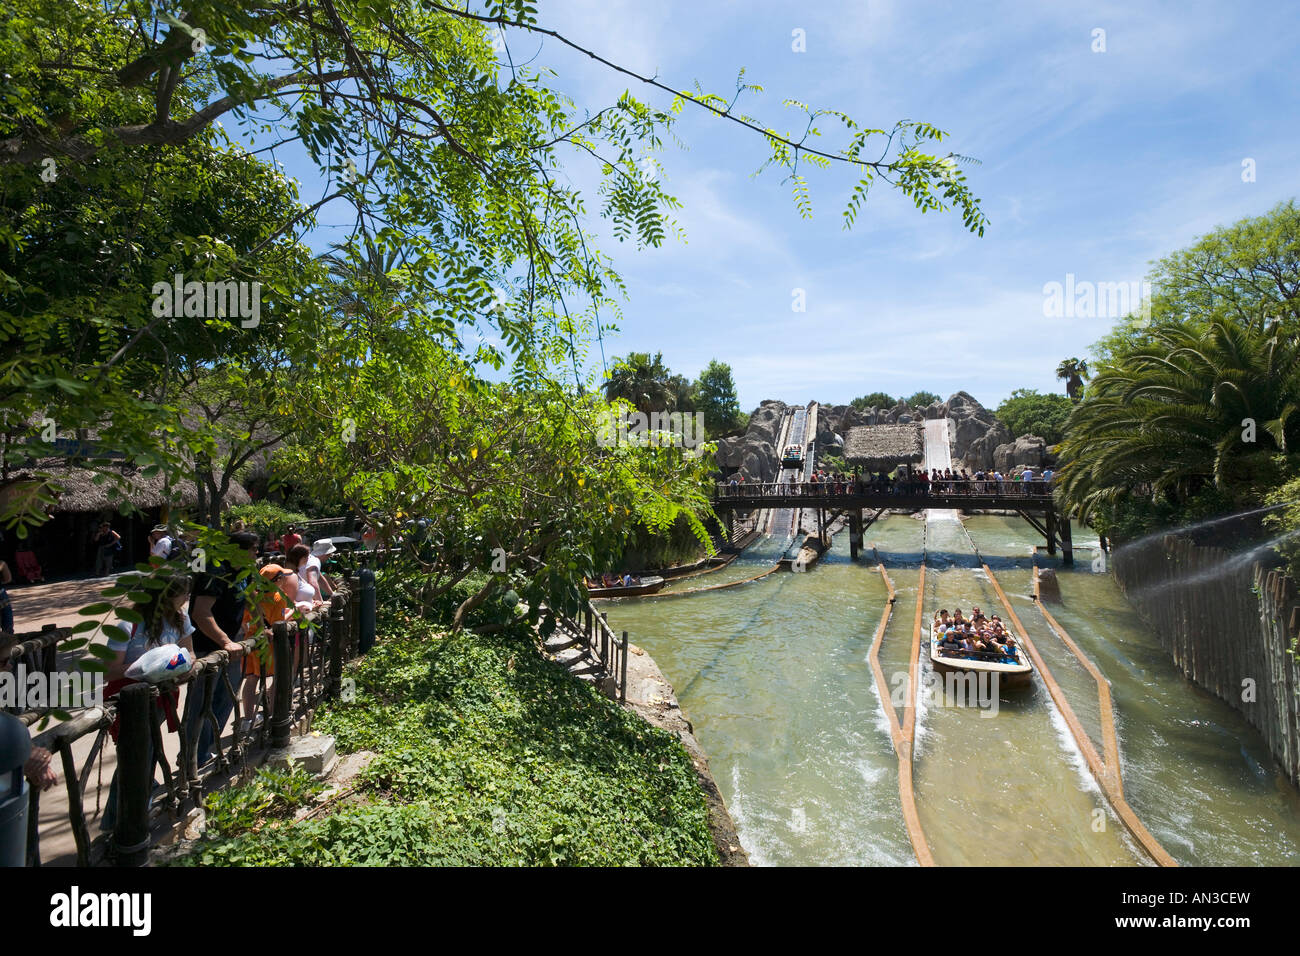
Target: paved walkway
[(57, 603), (40, 604)]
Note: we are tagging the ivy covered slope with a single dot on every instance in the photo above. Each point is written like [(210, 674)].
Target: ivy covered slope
[(487, 755)]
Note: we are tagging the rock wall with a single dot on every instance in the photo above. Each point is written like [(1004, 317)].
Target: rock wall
[(975, 431), (979, 441), (754, 453), (1228, 631), (1025, 450), (833, 423)]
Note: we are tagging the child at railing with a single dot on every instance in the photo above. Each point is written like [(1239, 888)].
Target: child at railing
[(164, 621)]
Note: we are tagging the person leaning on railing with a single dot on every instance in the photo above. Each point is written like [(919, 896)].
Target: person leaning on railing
[(291, 593), (217, 612)]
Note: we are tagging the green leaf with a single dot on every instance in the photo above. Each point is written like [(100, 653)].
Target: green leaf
[(113, 632)]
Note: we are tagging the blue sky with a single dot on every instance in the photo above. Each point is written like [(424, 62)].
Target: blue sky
[(1093, 164)]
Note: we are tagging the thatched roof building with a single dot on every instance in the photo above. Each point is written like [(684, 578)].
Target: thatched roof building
[(77, 491), (877, 447)]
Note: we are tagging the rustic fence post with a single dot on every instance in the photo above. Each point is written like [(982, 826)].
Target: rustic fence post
[(622, 677), (134, 774), (366, 611), (201, 690), (282, 713), (354, 593), (49, 653), (335, 646)]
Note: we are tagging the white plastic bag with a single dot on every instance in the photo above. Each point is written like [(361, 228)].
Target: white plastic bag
[(161, 663)]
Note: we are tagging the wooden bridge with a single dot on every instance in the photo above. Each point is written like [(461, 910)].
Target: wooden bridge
[(864, 502)]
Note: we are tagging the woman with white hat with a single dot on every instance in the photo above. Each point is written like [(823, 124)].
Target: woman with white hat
[(308, 564)]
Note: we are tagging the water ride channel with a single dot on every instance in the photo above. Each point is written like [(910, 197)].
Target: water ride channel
[(1106, 756)]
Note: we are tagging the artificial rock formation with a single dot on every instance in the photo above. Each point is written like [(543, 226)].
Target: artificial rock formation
[(754, 453), (975, 431), (1026, 450), (979, 441), (833, 424)]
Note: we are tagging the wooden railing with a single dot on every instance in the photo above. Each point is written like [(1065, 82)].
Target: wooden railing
[(308, 665), (605, 652)]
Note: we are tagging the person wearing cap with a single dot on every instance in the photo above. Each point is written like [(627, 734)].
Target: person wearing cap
[(160, 542)]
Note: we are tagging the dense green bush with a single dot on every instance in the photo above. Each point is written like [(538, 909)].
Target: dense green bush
[(267, 519), (273, 794), (1027, 412), (1285, 523), (488, 755), (645, 550), (921, 399), (1133, 517), (403, 593), (874, 400)]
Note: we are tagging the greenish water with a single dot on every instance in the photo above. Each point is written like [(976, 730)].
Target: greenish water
[(775, 678)]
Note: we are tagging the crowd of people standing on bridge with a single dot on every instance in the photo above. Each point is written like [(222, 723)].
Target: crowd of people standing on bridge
[(903, 481), (990, 482)]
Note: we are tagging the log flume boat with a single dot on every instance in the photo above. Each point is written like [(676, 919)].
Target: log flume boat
[(646, 585), (1010, 673)]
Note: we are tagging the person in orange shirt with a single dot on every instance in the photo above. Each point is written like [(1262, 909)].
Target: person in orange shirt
[(272, 608)]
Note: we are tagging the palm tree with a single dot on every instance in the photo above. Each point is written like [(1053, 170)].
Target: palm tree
[(643, 381), (1073, 372), (367, 291), (1197, 404)]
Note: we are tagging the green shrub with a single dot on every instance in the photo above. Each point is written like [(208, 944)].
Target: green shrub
[(272, 794), (266, 519), (1285, 523), (1027, 412), (486, 754), (403, 592)]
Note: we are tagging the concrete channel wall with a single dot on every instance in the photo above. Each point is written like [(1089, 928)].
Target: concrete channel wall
[(1231, 628)]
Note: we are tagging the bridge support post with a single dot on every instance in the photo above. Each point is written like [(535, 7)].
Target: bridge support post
[(1067, 541), (1051, 531), (855, 533)]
